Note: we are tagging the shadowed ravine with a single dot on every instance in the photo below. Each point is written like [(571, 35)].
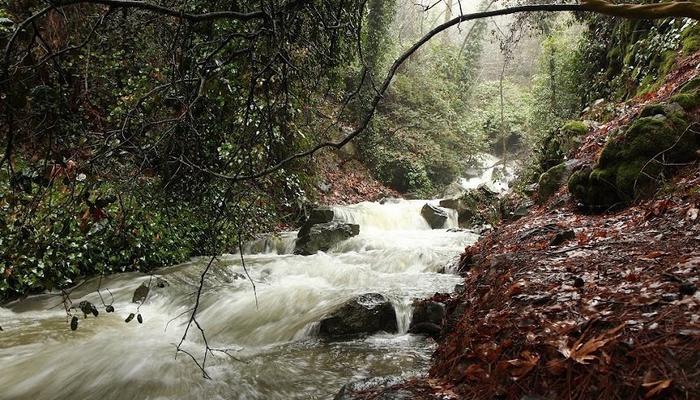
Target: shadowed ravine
[(277, 355)]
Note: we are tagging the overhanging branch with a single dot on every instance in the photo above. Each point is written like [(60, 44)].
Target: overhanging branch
[(690, 9)]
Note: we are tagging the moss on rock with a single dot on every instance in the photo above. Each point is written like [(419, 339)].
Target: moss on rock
[(688, 96), (631, 163), (554, 178)]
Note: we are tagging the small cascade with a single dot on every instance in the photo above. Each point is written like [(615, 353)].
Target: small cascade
[(490, 173), (404, 313), (396, 254), (393, 215), (273, 243)]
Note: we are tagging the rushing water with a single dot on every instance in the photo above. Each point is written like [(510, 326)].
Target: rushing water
[(491, 172), (273, 351)]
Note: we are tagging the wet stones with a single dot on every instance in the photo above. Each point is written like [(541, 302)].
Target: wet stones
[(320, 232), (319, 215), (323, 236), (381, 388), (363, 315), (473, 207), (630, 166), (435, 216), (428, 318)]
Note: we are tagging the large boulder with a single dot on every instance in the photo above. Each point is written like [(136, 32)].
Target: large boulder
[(435, 216), (688, 96), (554, 178), (363, 315), (320, 215), (636, 159), (473, 207), (323, 236), (428, 318)]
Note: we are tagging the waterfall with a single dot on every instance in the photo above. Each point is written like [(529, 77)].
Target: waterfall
[(490, 172)]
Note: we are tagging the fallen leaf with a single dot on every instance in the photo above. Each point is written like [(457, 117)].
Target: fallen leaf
[(523, 366)]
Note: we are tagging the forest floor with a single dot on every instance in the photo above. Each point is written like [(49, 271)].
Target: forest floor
[(344, 180), (562, 304)]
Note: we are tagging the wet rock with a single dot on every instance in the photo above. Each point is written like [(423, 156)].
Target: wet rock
[(460, 288), (473, 207), (428, 311), (481, 229), (428, 318), (323, 236), (390, 200), (319, 215), (426, 328), (140, 293), (366, 314), (435, 216), (381, 388), (520, 210), (161, 283), (455, 314), (550, 181), (623, 171)]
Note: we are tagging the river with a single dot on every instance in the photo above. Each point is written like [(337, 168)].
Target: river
[(273, 350)]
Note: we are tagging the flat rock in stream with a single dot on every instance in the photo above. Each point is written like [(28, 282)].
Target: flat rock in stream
[(363, 315), (321, 237), (380, 388)]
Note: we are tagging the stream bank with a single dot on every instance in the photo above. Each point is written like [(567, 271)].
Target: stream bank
[(566, 303)]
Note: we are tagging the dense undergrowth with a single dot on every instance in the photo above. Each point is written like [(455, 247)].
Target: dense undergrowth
[(127, 154)]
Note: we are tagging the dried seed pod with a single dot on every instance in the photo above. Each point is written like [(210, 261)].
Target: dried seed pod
[(139, 318), (74, 323), (129, 318), (109, 308)]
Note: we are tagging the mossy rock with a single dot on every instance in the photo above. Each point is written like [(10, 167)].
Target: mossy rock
[(630, 165), (554, 178), (692, 86), (576, 128), (688, 96)]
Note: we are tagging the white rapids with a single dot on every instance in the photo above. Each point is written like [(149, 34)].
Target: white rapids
[(272, 350)]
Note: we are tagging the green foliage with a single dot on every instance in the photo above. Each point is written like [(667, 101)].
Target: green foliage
[(624, 58), (166, 115), (423, 133), (555, 89)]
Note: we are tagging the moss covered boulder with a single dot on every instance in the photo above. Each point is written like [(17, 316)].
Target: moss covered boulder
[(554, 178), (688, 96), (560, 142), (635, 160), (473, 207)]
